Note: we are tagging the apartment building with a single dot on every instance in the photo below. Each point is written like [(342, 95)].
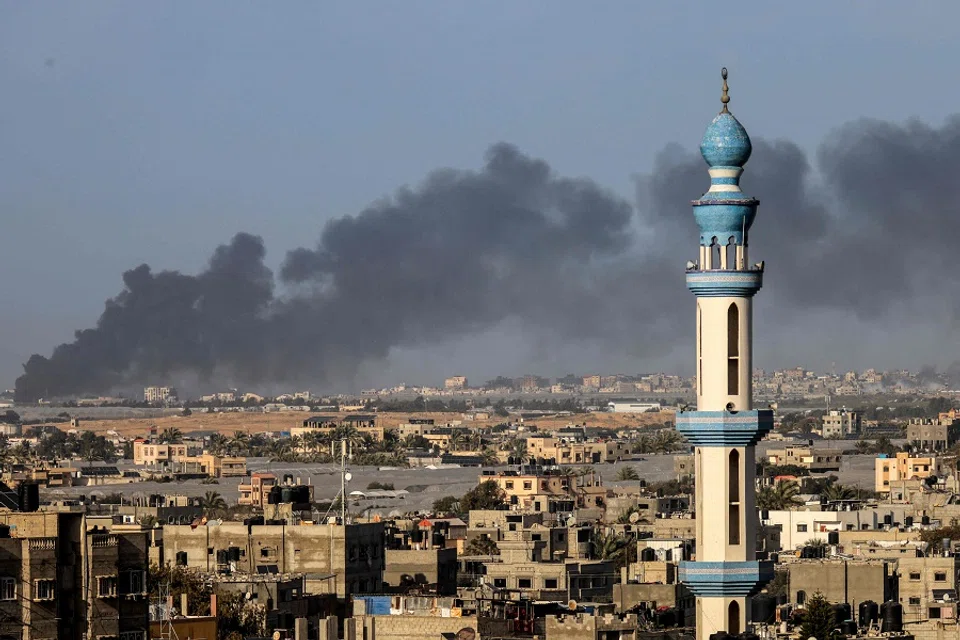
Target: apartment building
[(840, 423), (554, 450), (344, 559), (326, 425), (455, 383), (851, 581), (521, 566), (60, 579), (816, 459), (903, 467), (928, 588), (929, 435), (159, 395), (153, 454)]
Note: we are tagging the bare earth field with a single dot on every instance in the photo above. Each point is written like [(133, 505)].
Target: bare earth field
[(228, 423)]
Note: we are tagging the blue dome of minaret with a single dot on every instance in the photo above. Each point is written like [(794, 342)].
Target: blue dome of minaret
[(725, 142)]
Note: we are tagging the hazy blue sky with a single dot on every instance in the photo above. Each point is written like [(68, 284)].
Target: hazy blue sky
[(152, 131)]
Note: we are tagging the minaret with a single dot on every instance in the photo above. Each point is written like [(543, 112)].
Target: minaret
[(725, 427)]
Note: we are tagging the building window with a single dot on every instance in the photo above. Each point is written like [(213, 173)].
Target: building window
[(107, 586), (915, 600), (934, 612), (137, 582), (509, 484), (527, 484), (733, 349), (801, 528), (914, 575), (500, 583), (940, 576), (801, 597), (8, 588), (550, 583), (44, 589), (523, 583)]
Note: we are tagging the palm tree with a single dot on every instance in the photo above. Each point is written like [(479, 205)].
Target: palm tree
[(217, 443), (518, 449), (489, 458), (863, 447), (782, 495), (609, 546), (837, 492), (212, 502), (171, 435), (627, 473), (239, 443)]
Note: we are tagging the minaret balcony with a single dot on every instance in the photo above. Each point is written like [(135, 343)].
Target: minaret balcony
[(725, 428), (719, 283), (725, 579)]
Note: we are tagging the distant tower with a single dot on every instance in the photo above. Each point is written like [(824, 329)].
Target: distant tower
[(725, 428)]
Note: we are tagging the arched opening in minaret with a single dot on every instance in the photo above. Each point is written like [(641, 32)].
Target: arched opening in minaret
[(731, 249), (715, 254), (733, 507), (733, 618), (733, 349)]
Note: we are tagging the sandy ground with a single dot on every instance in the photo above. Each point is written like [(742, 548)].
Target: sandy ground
[(227, 423)]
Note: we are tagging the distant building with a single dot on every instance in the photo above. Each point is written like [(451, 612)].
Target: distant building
[(633, 407), (817, 460), (840, 423), (159, 395), (903, 467), (455, 383), (927, 435)]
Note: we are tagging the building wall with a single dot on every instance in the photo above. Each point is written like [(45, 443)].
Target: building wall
[(422, 567), (920, 580), (840, 581), (354, 554), (413, 627)]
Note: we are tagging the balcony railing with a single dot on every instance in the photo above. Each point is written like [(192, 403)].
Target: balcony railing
[(42, 544), (103, 541)]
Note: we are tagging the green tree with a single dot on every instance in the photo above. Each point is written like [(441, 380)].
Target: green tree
[(446, 505), (171, 435), (486, 495), (610, 546), (238, 617), (627, 473), (181, 580), (489, 458), (481, 547), (212, 502), (782, 495), (837, 492), (818, 619)]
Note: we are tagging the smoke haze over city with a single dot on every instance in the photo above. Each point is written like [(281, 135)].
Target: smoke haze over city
[(516, 263)]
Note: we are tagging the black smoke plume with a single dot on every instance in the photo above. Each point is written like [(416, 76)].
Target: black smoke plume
[(869, 234)]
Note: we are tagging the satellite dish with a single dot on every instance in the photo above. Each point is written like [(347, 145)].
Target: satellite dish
[(572, 605), (634, 517), (467, 633), (348, 476), (276, 635)]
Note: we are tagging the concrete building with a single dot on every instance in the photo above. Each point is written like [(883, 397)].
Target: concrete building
[(159, 395), (324, 426), (633, 407), (435, 569), (555, 450), (841, 580), (335, 558), (725, 428), (815, 459), (928, 587), (929, 435), (455, 383), (154, 454), (62, 579), (840, 423), (903, 467)]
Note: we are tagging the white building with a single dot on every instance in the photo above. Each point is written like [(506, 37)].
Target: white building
[(159, 395), (633, 407)]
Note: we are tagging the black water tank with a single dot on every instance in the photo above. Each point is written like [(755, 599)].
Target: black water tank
[(841, 613), (891, 616), (274, 496), (648, 555), (720, 635), (833, 537), (256, 521), (888, 519), (438, 539), (301, 494), (764, 609), (869, 612), (233, 554), (286, 495), (28, 496), (746, 635), (222, 556), (908, 521), (925, 520), (848, 628), (666, 618)]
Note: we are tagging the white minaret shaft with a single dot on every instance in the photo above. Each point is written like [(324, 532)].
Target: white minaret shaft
[(725, 428)]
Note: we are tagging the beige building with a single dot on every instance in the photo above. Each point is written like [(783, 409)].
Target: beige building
[(903, 467), (335, 558), (560, 451), (929, 435), (841, 580), (154, 454), (816, 459), (928, 588), (325, 426), (840, 423), (455, 383), (522, 566)]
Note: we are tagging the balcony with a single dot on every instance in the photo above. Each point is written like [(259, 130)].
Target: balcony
[(103, 541), (42, 544)]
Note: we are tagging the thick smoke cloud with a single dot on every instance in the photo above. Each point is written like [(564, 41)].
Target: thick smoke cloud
[(869, 233)]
